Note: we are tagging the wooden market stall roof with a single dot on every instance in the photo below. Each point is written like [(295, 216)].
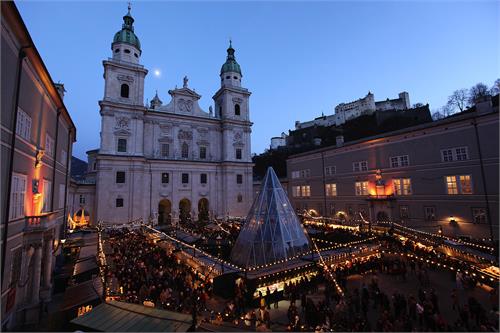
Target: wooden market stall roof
[(82, 293), (126, 317)]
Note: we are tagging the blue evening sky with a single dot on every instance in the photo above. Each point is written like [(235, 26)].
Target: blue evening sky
[(299, 59)]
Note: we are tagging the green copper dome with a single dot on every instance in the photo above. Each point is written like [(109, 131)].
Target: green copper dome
[(230, 65), (127, 35)]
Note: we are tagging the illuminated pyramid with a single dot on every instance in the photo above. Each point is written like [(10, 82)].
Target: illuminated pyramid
[(272, 231)]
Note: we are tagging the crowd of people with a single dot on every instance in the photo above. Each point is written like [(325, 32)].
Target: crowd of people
[(369, 308), (143, 272)]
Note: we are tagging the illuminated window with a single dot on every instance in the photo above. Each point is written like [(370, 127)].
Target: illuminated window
[(361, 188), (402, 186), (459, 184), (331, 190), (185, 150), (451, 185), (465, 184), (305, 191), (479, 215), (17, 196), (296, 191), (47, 195)]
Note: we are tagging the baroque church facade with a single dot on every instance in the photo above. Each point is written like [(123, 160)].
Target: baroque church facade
[(165, 162)]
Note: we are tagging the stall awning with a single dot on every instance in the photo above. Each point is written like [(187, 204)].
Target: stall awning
[(87, 252), (82, 294), (126, 317), (84, 266)]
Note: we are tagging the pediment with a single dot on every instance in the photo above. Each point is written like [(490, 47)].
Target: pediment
[(184, 92)]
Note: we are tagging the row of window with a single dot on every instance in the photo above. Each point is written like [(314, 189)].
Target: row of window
[(165, 150), (23, 129), (306, 173), (460, 184), (447, 155), (18, 195), (165, 178)]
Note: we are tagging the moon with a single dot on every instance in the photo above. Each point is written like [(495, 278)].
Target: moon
[(157, 72)]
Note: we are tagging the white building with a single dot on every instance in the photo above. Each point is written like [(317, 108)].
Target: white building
[(175, 160), (278, 141), (351, 110)]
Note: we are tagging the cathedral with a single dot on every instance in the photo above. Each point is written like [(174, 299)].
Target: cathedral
[(168, 162)]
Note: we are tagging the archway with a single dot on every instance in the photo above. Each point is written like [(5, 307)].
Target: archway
[(184, 210), (164, 212), (203, 210)]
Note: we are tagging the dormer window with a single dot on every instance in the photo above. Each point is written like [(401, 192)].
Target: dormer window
[(117, 50), (127, 51), (235, 77), (228, 77), (237, 109), (124, 90), (135, 55)]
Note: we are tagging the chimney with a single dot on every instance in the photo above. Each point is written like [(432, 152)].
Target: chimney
[(60, 89), (339, 141)]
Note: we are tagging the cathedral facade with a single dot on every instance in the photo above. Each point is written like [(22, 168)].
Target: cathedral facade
[(165, 162)]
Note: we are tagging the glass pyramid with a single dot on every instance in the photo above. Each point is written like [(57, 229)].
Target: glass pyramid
[(271, 231)]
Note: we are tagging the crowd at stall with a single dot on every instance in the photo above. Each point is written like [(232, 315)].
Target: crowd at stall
[(142, 272)]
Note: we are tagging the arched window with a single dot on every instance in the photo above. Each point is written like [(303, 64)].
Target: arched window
[(237, 109), (124, 90), (185, 150)]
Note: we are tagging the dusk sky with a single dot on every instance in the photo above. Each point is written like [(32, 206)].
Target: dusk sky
[(298, 59)]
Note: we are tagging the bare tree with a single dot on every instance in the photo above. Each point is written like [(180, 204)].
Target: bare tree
[(447, 110), (495, 88), (436, 115), (458, 100), (477, 91)]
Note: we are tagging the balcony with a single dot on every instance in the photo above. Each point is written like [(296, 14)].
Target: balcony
[(42, 222)]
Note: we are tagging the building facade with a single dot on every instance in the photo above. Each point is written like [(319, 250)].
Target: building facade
[(37, 138), (366, 105), (439, 175), (165, 162)]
